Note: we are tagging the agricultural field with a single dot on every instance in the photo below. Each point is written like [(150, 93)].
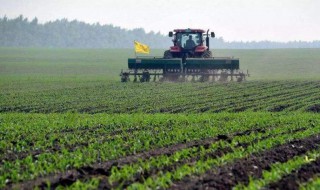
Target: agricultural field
[(66, 122), (141, 151), (116, 97)]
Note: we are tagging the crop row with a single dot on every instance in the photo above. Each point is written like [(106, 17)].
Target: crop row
[(204, 166), (167, 97), (279, 170), (222, 137), (150, 168), (30, 132), (313, 184), (299, 176), (160, 171)]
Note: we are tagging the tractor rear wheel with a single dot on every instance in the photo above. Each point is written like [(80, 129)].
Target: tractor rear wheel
[(206, 54), (167, 54)]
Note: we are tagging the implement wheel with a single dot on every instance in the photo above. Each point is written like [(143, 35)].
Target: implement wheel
[(206, 54), (145, 77), (125, 77), (223, 76)]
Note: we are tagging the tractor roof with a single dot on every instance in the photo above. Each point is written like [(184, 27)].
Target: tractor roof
[(189, 30)]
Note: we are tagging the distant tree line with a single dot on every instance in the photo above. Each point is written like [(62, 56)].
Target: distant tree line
[(221, 44), (20, 32)]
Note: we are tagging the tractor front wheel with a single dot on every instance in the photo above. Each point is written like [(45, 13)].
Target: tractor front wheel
[(206, 54), (167, 54)]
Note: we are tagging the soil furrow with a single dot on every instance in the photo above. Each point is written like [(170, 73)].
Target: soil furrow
[(220, 152), (229, 175), (11, 156), (301, 175), (70, 176), (140, 177), (87, 173)]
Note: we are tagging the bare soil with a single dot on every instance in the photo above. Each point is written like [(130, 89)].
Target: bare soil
[(302, 175), (314, 108), (70, 176), (228, 176)]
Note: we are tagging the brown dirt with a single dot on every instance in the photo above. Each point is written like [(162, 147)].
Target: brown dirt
[(278, 108), (68, 177), (227, 176), (263, 138), (103, 170), (314, 108), (140, 177), (292, 181)]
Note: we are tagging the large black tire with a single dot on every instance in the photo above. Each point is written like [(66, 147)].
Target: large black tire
[(167, 54), (125, 77), (206, 54)]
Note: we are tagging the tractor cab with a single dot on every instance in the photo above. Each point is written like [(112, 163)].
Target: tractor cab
[(188, 40), (189, 43)]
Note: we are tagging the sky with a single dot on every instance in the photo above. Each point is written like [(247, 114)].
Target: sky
[(234, 20)]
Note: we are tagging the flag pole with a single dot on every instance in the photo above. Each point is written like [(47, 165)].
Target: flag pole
[(135, 53)]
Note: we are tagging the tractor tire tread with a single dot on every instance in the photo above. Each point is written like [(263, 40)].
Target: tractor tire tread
[(167, 54), (206, 54)]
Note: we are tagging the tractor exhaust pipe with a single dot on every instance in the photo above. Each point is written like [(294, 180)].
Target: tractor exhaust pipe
[(207, 40)]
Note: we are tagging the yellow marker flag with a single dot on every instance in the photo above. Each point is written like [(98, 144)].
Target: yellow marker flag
[(141, 48)]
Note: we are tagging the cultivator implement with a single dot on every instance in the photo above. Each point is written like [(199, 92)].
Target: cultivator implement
[(146, 69), (189, 59)]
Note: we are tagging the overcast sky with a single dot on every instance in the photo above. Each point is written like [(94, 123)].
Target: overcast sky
[(246, 20)]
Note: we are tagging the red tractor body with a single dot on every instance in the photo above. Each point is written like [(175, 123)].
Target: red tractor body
[(189, 43)]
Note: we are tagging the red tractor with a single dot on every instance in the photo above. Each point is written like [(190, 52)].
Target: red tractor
[(189, 43)]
